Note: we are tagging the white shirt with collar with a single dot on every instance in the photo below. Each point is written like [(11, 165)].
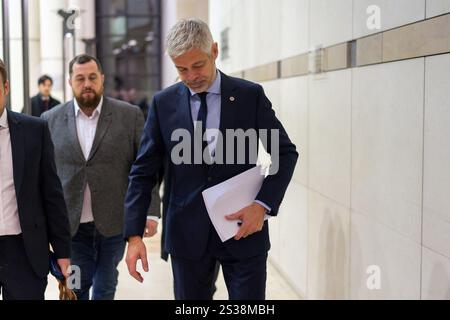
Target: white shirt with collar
[(9, 213), (86, 129)]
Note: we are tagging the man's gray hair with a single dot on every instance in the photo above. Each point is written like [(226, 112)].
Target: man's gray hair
[(189, 34)]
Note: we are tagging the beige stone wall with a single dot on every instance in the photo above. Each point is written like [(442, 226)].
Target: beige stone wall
[(369, 197)]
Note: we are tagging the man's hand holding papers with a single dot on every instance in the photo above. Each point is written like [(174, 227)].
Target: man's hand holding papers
[(252, 220)]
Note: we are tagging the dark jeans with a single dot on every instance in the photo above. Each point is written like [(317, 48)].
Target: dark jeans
[(97, 257), (195, 279), (18, 280)]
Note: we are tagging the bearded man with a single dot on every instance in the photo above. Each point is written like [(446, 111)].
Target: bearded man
[(96, 141)]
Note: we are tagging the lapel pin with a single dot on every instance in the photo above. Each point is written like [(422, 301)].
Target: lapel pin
[(232, 99)]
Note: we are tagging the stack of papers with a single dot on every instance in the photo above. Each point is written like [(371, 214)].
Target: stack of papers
[(231, 196)]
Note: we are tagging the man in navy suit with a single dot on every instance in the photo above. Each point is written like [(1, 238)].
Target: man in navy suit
[(33, 212), (206, 100)]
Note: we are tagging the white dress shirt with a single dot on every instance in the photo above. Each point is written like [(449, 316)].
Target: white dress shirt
[(9, 214), (86, 128)]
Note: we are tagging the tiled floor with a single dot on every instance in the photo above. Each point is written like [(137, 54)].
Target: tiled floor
[(158, 281)]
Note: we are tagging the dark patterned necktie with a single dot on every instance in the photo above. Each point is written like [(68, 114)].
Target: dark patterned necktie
[(201, 118)]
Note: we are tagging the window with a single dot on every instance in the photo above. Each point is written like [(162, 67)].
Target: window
[(129, 46)]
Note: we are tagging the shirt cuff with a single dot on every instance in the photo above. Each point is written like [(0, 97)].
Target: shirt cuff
[(264, 205), (153, 218)]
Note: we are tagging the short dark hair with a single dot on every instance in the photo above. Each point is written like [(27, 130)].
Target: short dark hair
[(82, 59), (44, 78), (3, 72)]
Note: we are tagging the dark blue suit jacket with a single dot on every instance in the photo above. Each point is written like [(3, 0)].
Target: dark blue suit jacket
[(40, 200), (187, 221)]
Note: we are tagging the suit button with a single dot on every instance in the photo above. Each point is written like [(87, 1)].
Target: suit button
[(210, 179)]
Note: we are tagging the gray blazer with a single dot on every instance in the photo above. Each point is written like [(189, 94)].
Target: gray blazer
[(113, 152)]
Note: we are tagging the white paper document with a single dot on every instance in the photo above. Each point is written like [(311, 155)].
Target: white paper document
[(231, 196)]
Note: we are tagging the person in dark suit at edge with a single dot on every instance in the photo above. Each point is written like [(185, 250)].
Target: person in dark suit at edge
[(33, 213)]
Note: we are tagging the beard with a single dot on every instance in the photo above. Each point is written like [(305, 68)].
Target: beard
[(198, 84), (89, 102)]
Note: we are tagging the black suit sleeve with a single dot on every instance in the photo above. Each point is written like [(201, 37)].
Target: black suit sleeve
[(154, 208), (283, 154), (53, 199), (143, 176)]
